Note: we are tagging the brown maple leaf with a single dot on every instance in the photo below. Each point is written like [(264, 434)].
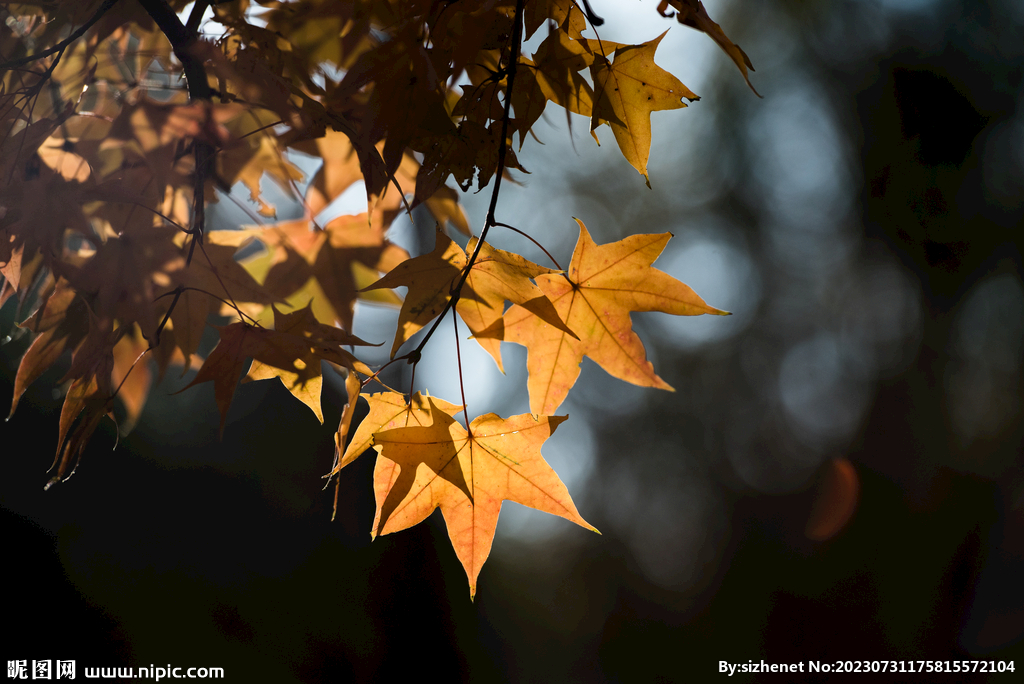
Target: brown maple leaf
[(120, 279), (212, 282), (467, 475), (89, 393), (291, 352), (692, 13), (604, 284)]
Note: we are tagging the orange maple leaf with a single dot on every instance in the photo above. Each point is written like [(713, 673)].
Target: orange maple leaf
[(496, 276), (604, 284), (389, 410), (209, 282), (467, 475)]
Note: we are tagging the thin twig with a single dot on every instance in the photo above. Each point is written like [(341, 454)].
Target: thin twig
[(130, 369), (182, 288)]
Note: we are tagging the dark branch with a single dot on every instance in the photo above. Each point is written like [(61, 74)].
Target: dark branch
[(510, 69), (198, 10), (182, 39)]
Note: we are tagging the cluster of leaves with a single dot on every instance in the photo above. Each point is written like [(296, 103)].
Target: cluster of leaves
[(119, 123)]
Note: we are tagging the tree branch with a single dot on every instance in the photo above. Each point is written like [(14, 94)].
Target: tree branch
[(198, 10), (510, 69), (182, 39), (64, 43)]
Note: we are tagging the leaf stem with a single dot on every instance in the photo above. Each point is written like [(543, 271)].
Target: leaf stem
[(462, 388), (374, 377), (531, 239)]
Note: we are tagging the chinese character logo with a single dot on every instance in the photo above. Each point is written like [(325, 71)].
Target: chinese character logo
[(42, 669), (17, 669), (65, 669)]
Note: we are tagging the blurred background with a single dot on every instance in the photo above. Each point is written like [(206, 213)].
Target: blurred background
[(863, 222)]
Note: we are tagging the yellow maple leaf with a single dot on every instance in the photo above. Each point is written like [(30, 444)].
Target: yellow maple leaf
[(626, 91)]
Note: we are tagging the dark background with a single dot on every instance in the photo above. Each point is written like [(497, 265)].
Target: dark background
[(872, 203)]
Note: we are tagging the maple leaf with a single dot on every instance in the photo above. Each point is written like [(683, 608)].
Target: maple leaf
[(389, 410), (248, 166), (467, 474), (627, 90), (604, 284), (62, 321), (328, 265), (496, 276), (339, 171), (291, 352), (210, 281), (119, 278), (88, 394), (42, 210)]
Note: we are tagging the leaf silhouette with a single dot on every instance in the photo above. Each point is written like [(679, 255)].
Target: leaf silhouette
[(467, 475)]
